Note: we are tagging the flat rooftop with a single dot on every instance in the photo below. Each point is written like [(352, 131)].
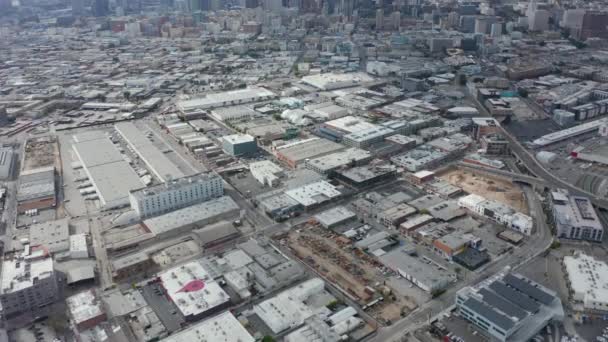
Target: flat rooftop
[(192, 289), (163, 168), (221, 328), (190, 215)]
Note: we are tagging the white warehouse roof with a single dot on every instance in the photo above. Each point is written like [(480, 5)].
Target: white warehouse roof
[(221, 328)]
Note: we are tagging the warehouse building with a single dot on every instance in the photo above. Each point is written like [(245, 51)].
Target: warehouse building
[(238, 145), (328, 163), (223, 327), (52, 235), (296, 153), (335, 217), (575, 217), (331, 81), (367, 175), (421, 158), (233, 113), (289, 308), (365, 138), (183, 220), (106, 169), (158, 162), (314, 194), (36, 189), (85, 310), (193, 291), (266, 172), (6, 162), (427, 277), (498, 212), (28, 283), (583, 273), (176, 194), (224, 99), (338, 128), (509, 307)]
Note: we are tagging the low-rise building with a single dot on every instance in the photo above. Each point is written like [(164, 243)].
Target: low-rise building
[(314, 194), (583, 274), (193, 290), (394, 216), (223, 327), (498, 212), (509, 307), (331, 162), (266, 172), (52, 235), (427, 277), (335, 216), (298, 152), (85, 310)]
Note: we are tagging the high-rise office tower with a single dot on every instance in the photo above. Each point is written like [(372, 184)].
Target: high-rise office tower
[(101, 8), (396, 20), (379, 19), (5, 5)]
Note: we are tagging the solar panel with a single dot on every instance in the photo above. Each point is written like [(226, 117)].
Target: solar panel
[(518, 298), (489, 314), (529, 289), (503, 305)]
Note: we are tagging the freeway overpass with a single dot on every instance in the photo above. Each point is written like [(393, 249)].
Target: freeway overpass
[(534, 182), (536, 168)]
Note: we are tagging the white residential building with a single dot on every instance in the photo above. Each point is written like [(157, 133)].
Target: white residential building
[(498, 212), (176, 194)]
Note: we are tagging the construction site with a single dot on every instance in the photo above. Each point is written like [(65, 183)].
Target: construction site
[(355, 273), (490, 188), (40, 152)]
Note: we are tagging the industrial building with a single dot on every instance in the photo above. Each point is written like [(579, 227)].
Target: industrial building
[(85, 310), (156, 161), (288, 309), (176, 194), (420, 273), (28, 283), (233, 113), (6, 162), (575, 217), (331, 162), (193, 291), (509, 307), (266, 172), (238, 145), (314, 194), (52, 235), (421, 158), (394, 216), (498, 212), (36, 189), (228, 98), (338, 128), (583, 274), (127, 266), (335, 217), (363, 176), (179, 221), (296, 153), (223, 327), (362, 139), (332, 81), (106, 169)]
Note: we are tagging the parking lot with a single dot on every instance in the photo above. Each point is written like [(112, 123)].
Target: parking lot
[(166, 311)]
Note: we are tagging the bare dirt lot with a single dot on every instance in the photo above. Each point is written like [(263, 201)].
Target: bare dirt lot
[(489, 188), (352, 270)]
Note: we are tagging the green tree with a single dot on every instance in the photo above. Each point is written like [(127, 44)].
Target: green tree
[(268, 339)]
